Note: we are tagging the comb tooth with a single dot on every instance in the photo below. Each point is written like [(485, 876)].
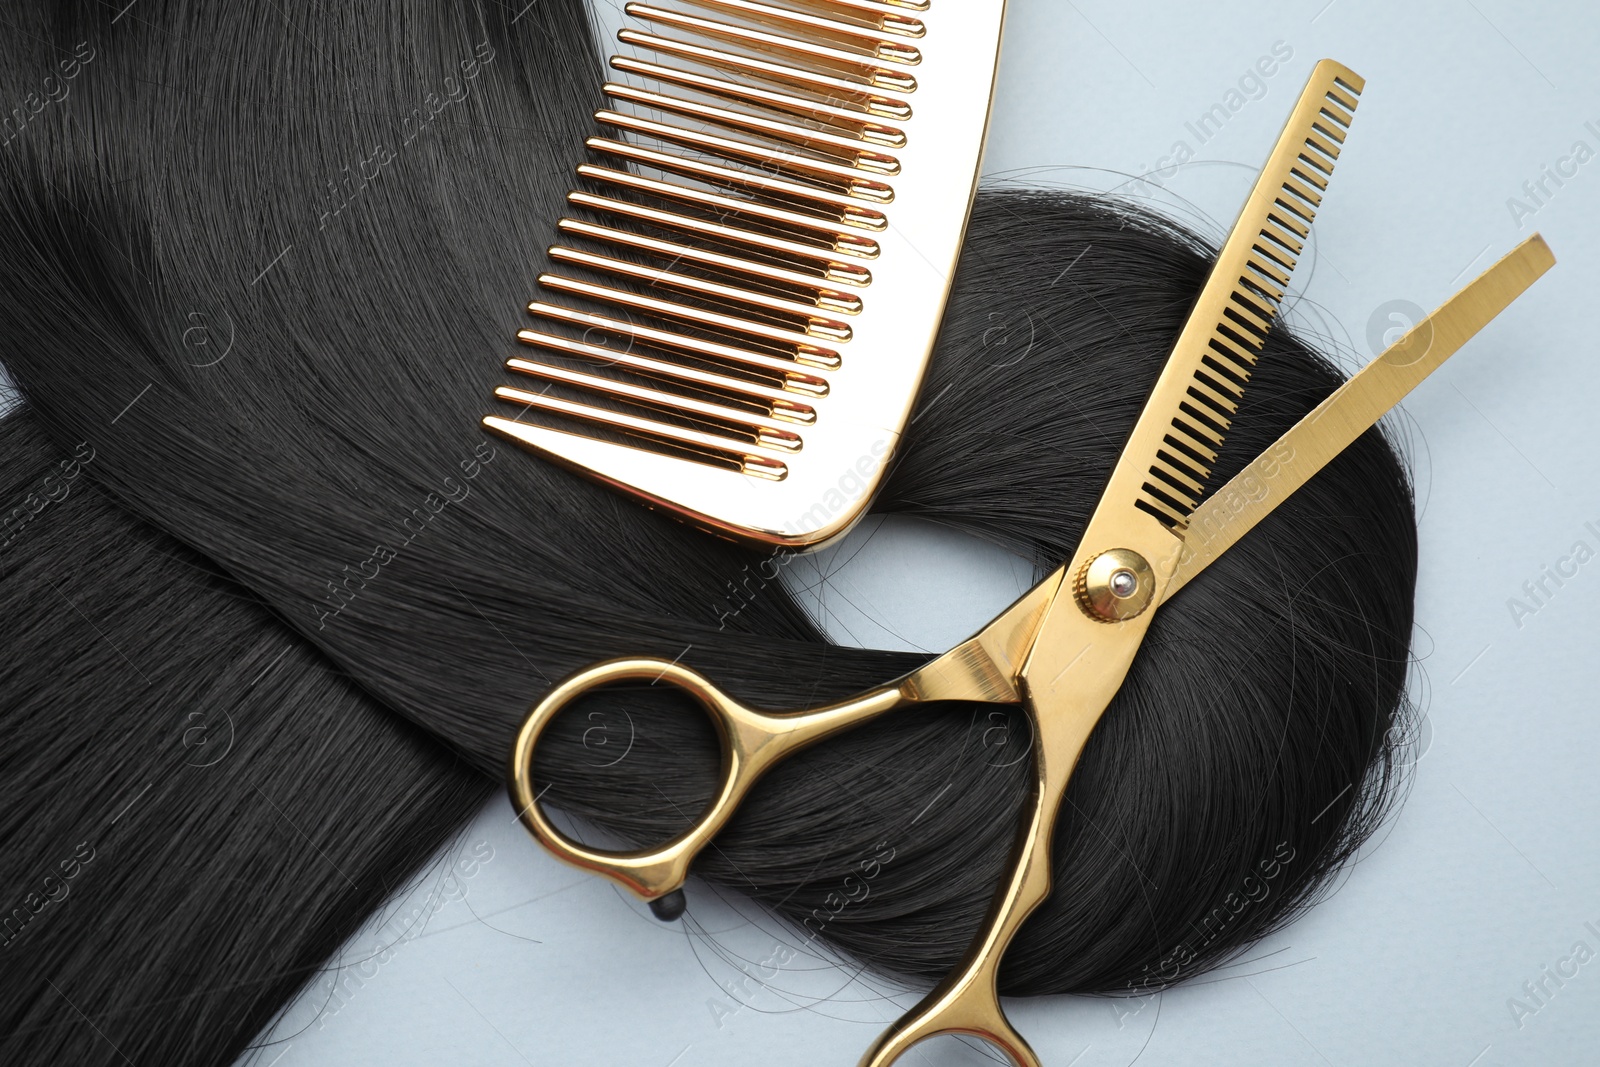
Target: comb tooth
[(887, 15), (1237, 347), (863, 126), (1270, 264), (1259, 286), (1275, 229), (1188, 489), (769, 432), (773, 161), (839, 206), (1176, 522), (752, 459), (1227, 391), (1317, 178), (843, 241), (835, 270), (1334, 111), (874, 41), (1213, 426), (1237, 374), (1258, 310), (1345, 97), (1316, 162), (1157, 495), (1273, 260), (1173, 496), (1286, 216), (668, 339), (870, 9), (1186, 468), (1197, 439), (870, 70), (1311, 196), (817, 325), (828, 299), (765, 69), (858, 152), (806, 351), (780, 404), (1329, 127), (1247, 336), (1325, 146), (1266, 275), (1222, 405), (1189, 452)]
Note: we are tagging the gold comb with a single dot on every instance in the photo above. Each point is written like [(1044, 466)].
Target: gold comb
[(769, 228)]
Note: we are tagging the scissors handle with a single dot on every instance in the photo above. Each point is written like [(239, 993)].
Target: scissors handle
[(968, 1000), (753, 741)]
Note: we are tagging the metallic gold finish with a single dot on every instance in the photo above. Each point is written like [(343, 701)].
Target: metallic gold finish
[(816, 324), (770, 158), (768, 223), (1115, 586), (843, 240), (891, 77), (827, 298), (840, 207), (823, 84), (801, 344), (865, 126), (1061, 653), (1214, 356), (835, 269), (853, 150), (782, 402), (1235, 508)]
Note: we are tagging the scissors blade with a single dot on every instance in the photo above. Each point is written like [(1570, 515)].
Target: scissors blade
[(1250, 496), (1169, 456), (1162, 471)]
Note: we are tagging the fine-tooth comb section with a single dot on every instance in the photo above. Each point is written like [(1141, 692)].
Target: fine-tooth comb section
[(1243, 294), (740, 307)]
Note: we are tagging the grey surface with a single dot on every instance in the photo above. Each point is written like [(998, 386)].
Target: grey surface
[(1487, 875)]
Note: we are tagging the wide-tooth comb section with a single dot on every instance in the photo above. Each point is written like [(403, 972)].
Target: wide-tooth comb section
[(891, 73), (760, 248), (778, 400), (767, 431), (838, 236), (1213, 359), (835, 207), (852, 150), (868, 127), (761, 68), (828, 297), (880, 41), (768, 158)]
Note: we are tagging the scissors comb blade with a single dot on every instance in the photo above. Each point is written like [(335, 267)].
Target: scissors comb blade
[(1171, 457)]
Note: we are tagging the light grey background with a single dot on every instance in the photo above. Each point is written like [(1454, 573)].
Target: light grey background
[(1489, 872)]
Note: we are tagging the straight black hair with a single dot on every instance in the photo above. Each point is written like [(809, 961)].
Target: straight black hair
[(286, 378)]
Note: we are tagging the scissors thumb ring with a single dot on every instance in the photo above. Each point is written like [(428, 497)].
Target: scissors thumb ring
[(752, 742)]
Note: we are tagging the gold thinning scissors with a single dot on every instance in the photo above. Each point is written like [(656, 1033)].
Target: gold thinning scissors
[(1063, 650)]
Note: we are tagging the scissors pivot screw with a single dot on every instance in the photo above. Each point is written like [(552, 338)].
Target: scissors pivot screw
[(1115, 586)]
